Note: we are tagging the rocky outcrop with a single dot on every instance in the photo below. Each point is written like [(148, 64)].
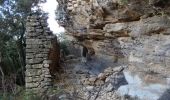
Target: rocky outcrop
[(131, 32), (40, 45)]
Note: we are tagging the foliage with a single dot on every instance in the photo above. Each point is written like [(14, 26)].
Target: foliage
[(124, 2), (23, 95), (13, 15), (63, 46), (63, 43)]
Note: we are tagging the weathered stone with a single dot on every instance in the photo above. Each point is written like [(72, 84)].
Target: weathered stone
[(48, 76), (102, 76), (46, 61), (28, 66), (28, 79), (39, 30), (35, 79), (118, 69), (33, 72), (34, 41), (99, 83), (37, 66), (89, 88), (39, 55), (32, 85), (92, 79), (109, 88), (108, 70), (34, 61), (46, 65)]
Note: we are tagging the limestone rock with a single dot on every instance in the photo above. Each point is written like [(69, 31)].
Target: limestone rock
[(109, 88), (99, 83), (102, 76)]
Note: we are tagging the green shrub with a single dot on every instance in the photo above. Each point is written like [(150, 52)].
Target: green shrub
[(124, 2)]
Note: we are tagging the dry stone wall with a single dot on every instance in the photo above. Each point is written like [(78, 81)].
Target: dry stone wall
[(38, 45)]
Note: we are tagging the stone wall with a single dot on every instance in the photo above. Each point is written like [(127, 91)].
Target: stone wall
[(39, 43)]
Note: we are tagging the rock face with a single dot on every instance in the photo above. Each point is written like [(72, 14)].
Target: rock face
[(41, 44), (131, 32)]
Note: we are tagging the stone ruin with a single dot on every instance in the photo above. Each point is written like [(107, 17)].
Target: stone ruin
[(40, 42)]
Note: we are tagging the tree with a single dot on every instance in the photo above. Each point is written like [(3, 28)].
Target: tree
[(13, 15)]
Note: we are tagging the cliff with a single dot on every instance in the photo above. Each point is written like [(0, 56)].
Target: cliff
[(132, 33)]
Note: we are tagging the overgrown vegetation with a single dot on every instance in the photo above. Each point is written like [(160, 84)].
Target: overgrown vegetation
[(13, 15), (124, 2)]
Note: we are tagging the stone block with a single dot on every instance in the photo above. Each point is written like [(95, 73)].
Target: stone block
[(47, 61), (34, 41), (35, 24), (28, 66), (32, 85), (37, 66), (48, 76), (46, 65), (99, 83), (31, 46), (39, 30), (39, 55), (44, 24), (34, 61), (29, 56), (28, 79), (30, 29), (36, 79), (47, 79), (33, 72)]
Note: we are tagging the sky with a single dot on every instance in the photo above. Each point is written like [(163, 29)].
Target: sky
[(50, 7)]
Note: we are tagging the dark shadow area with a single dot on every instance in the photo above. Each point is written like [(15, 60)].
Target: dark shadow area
[(166, 95)]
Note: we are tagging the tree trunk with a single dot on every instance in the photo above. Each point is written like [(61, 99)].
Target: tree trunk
[(2, 76)]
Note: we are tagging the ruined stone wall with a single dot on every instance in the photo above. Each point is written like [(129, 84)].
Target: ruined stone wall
[(38, 45)]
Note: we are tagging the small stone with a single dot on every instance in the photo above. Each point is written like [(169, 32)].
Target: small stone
[(33, 72), (36, 24), (35, 79), (48, 76), (99, 82), (102, 76), (118, 69), (110, 78), (47, 79), (109, 88), (63, 97), (46, 65), (90, 88), (92, 79), (39, 30), (37, 66), (86, 82), (34, 61), (108, 70), (32, 85), (28, 66), (46, 61), (28, 79)]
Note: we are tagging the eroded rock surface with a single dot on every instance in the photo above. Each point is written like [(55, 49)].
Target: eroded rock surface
[(122, 32)]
